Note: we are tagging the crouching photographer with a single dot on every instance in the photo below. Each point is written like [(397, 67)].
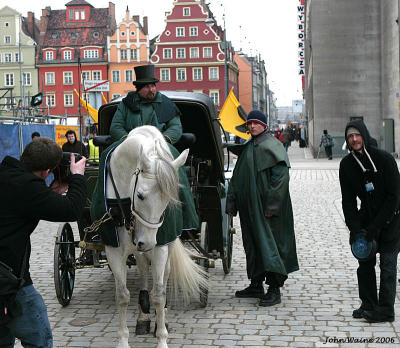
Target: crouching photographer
[(26, 201)]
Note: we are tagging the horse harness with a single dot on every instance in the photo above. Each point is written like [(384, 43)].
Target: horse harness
[(122, 210)]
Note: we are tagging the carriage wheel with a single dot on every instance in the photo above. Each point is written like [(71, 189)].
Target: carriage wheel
[(204, 263), (227, 260), (64, 258)]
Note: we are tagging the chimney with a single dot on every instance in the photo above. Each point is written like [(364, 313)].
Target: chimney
[(31, 24), (145, 25), (111, 13), (136, 19)]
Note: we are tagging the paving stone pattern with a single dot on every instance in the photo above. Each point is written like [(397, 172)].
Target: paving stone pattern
[(317, 300)]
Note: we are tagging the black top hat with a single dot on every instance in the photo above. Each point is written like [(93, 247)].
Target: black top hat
[(144, 75)]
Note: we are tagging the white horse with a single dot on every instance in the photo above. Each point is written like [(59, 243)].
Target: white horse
[(144, 170)]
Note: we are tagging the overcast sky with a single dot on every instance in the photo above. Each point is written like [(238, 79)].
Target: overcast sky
[(265, 27)]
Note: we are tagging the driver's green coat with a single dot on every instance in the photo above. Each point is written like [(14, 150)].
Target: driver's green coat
[(133, 112), (259, 185)]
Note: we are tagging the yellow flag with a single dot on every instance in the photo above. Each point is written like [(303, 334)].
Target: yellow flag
[(104, 98), (233, 117), (93, 113)]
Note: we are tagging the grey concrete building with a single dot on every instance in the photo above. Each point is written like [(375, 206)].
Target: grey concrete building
[(352, 69)]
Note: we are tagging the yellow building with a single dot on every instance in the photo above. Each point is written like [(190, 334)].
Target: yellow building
[(127, 48)]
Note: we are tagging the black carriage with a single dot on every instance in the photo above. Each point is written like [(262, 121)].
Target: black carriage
[(205, 167)]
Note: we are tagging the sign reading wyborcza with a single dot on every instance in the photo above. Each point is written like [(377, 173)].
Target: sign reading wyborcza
[(300, 35)]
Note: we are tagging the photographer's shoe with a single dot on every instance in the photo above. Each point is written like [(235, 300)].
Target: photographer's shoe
[(271, 298), (254, 290)]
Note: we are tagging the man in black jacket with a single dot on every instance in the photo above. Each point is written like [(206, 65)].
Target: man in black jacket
[(25, 201), (74, 145), (371, 175)]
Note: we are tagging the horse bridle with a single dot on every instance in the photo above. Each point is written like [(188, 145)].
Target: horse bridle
[(135, 215)]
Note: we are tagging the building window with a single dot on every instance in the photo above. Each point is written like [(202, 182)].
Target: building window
[(122, 33), (197, 91), (132, 33), (91, 54), (165, 75), (167, 53), (124, 54), (17, 57), (82, 13), (68, 100), (67, 77), (96, 75), (180, 32), (115, 76), (71, 14), (197, 74), (181, 74), (27, 79), (186, 11), (213, 73), (7, 57), (49, 55), (77, 14), (133, 53), (51, 100), (6, 24), (214, 95), (194, 52), (85, 75), (67, 55), (50, 79), (194, 31), (180, 53), (128, 75), (9, 79), (207, 52), (7, 39), (0, 57)]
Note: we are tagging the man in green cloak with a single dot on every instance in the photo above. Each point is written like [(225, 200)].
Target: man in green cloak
[(147, 106), (259, 190)]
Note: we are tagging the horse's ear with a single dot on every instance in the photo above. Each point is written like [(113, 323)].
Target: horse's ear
[(180, 161)]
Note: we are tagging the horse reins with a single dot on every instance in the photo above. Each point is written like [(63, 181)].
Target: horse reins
[(130, 223)]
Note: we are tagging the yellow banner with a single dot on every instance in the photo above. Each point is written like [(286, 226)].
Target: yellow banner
[(93, 113), (60, 133), (230, 117)]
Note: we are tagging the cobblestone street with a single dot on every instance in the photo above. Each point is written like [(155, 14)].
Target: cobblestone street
[(317, 300)]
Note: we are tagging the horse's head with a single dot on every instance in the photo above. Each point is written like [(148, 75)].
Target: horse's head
[(154, 185)]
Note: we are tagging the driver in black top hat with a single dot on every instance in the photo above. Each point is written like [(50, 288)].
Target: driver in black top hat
[(372, 176)]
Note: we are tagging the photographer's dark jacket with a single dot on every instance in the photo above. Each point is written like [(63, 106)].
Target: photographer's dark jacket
[(379, 210), (260, 185), (25, 199)]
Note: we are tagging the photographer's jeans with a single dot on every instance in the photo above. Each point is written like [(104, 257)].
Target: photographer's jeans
[(32, 327)]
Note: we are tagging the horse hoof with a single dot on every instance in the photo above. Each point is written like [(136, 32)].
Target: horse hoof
[(142, 327), (155, 329)]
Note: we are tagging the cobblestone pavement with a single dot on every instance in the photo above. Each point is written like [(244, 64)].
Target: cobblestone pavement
[(317, 300)]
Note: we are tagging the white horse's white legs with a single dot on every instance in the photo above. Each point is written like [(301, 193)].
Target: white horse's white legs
[(160, 272), (117, 261), (143, 320)]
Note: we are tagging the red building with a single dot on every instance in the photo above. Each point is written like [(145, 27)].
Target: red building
[(191, 54), (72, 47)]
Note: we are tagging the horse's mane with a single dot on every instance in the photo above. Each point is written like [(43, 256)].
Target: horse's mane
[(167, 176)]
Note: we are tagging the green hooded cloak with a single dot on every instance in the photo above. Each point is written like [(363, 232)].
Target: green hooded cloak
[(259, 186)]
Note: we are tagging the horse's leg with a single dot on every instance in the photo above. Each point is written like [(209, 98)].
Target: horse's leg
[(143, 321), (158, 264), (117, 261)]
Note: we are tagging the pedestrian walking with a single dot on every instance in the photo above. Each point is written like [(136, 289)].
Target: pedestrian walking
[(259, 191), (328, 142), (372, 176)]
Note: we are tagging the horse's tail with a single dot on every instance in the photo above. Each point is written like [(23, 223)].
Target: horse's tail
[(185, 275)]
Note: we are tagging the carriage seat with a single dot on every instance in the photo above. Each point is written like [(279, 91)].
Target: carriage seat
[(102, 140)]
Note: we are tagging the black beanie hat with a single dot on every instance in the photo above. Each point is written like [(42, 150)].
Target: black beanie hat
[(257, 116)]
